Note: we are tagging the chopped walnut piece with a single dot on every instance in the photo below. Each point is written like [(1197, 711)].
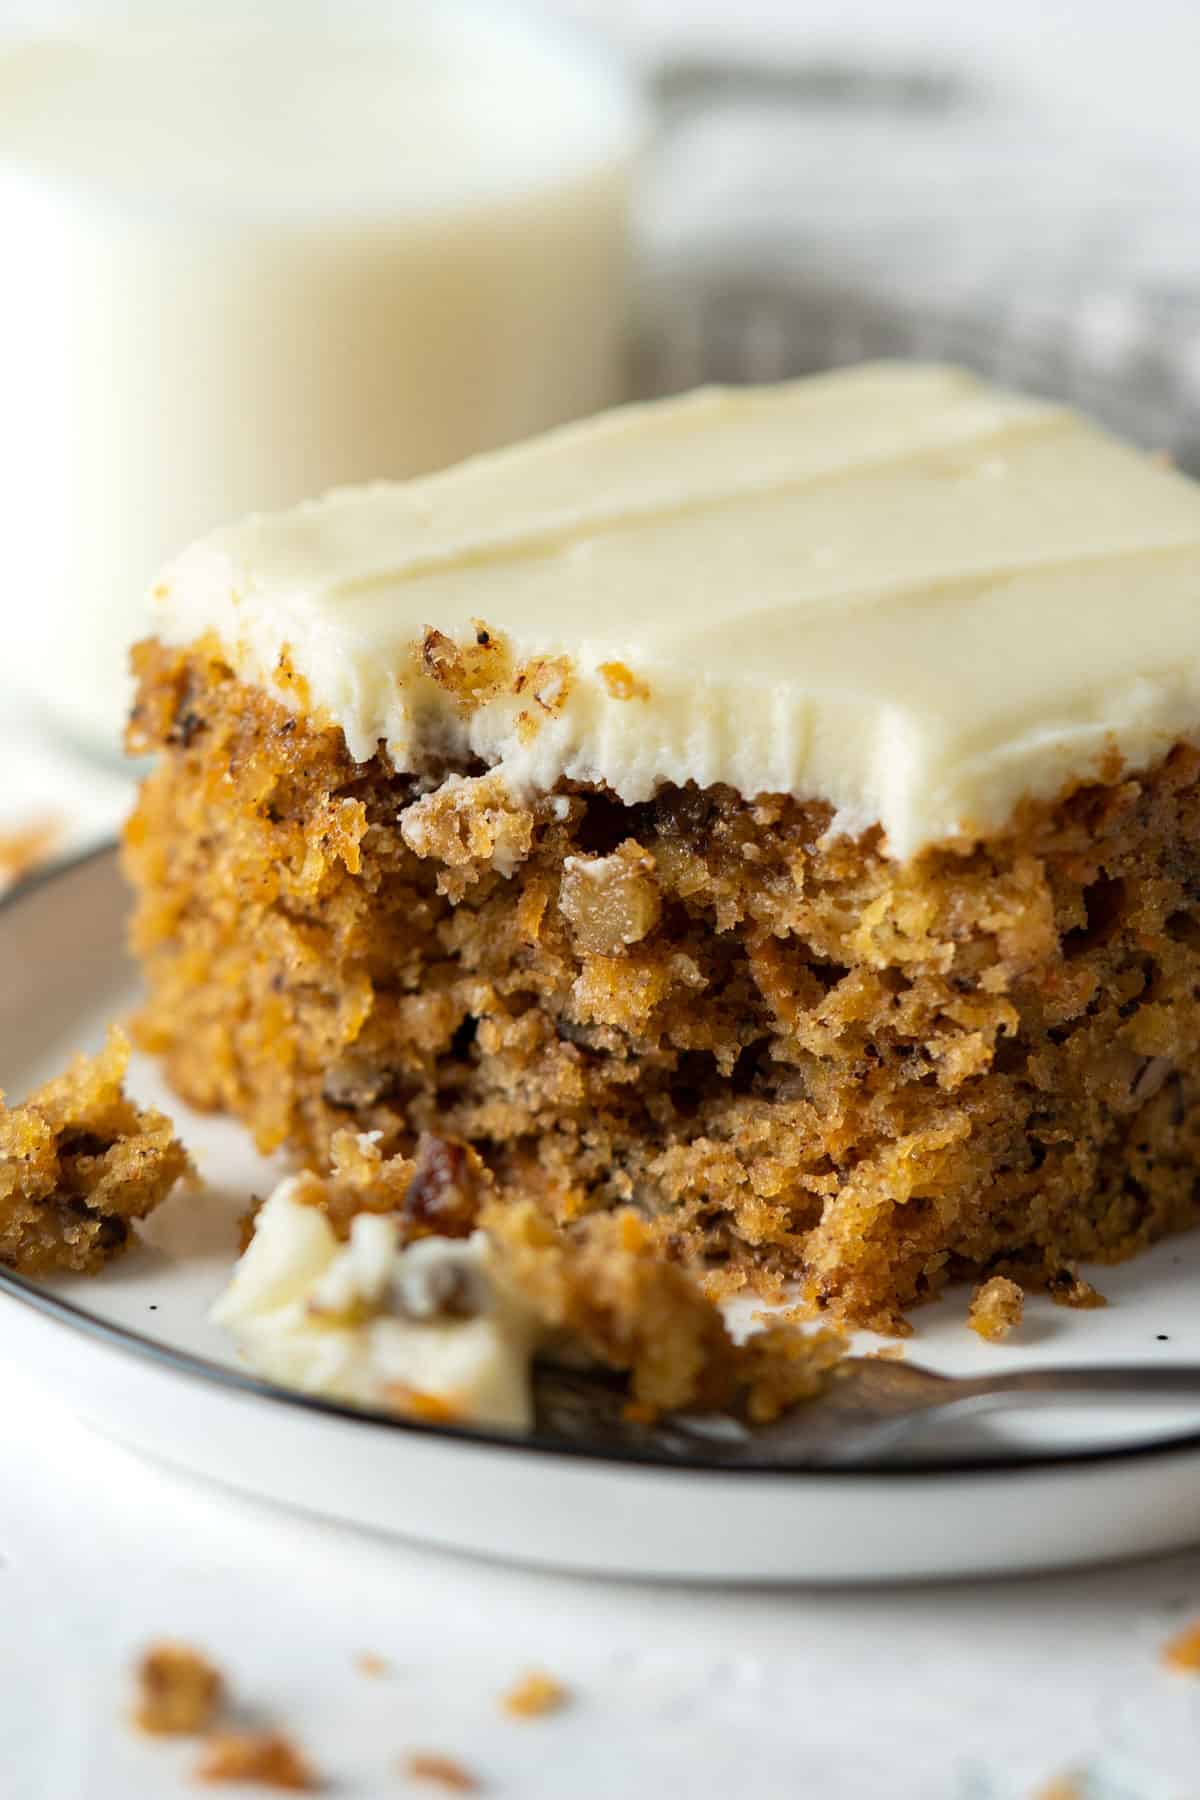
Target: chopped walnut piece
[(178, 1690), (442, 1771), (356, 1081), (535, 1694), (997, 1307), (260, 1759), (1183, 1650), (1151, 1078), (610, 902), (79, 1162)]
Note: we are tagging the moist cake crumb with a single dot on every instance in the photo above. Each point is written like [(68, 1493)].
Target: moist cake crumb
[(179, 1691), (442, 1771), (602, 1287), (258, 1758), (535, 1694), (79, 1163), (997, 1307)]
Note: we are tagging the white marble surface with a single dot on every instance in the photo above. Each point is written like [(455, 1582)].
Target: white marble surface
[(933, 1693)]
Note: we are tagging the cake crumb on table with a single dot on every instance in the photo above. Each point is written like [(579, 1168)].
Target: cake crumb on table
[(368, 1663), (440, 1771), (997, 1307), (1060, 1787), (259, 1758), (534, 1695), (179, 1691), (79, 1162), (1183, 1650)]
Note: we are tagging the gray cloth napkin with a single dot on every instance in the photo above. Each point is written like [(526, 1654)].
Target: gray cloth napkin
[(796, 219)]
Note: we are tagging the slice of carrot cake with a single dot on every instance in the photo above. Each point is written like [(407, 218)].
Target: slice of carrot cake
[(774, 810)]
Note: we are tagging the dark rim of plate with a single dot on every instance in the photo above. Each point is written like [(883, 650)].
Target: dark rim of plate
[(198, 1368)]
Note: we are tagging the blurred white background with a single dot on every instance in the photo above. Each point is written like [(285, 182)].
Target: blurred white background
[(1132, 67), (1014, 187)]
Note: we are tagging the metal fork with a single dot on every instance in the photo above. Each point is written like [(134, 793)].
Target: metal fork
[(870, 1410)]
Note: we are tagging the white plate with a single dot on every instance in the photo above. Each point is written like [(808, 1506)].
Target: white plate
[(132, 1352)]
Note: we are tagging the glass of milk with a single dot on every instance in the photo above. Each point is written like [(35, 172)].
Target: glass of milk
[(246, 259)]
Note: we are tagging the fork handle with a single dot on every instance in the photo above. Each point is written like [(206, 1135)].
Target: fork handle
[(1095, 1382), (1045, 1386)]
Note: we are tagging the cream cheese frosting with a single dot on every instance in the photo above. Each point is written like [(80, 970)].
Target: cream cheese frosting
[(892, 588), (365, 1321)]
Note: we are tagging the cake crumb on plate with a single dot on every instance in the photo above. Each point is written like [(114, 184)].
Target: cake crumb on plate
[(1067, 1287), (997, 1307)]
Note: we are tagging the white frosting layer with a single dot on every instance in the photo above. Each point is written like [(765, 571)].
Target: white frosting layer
[(360, 1322), (892, 588)]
